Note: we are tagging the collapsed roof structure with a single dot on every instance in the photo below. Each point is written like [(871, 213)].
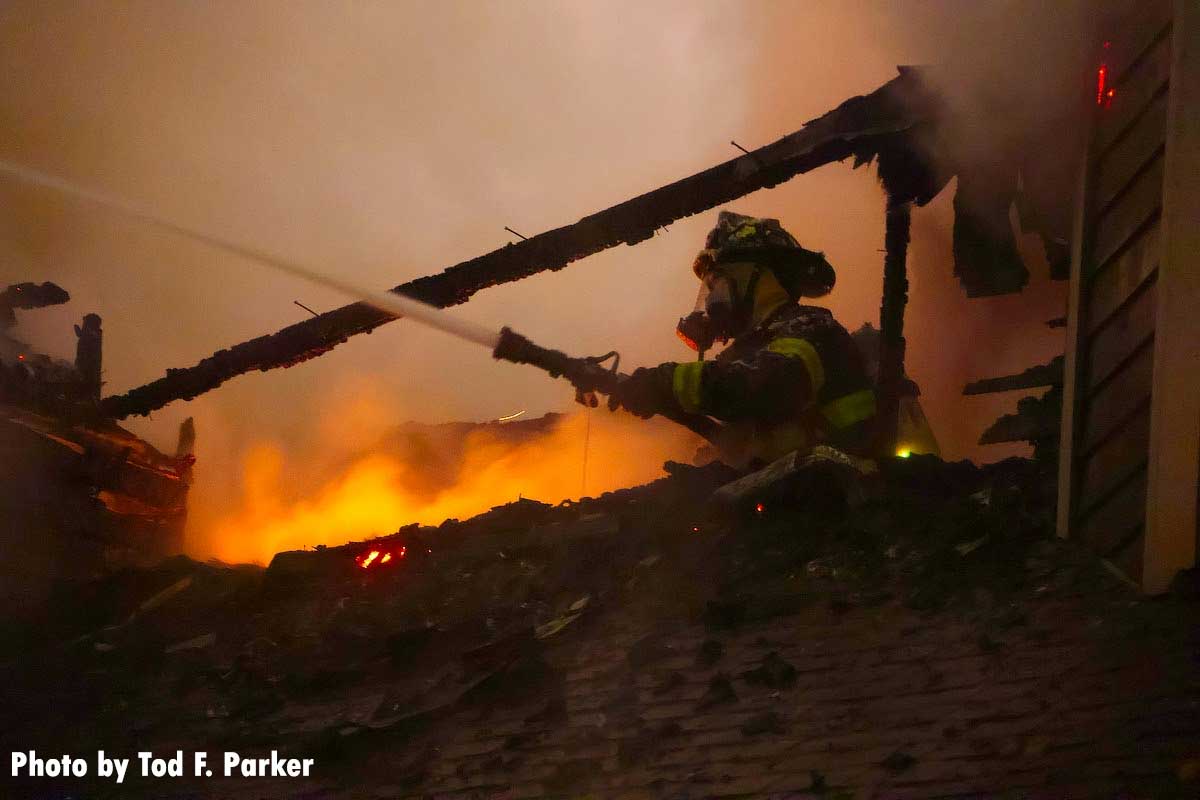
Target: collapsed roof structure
[(78, 493), (906, 124), (907, 127)]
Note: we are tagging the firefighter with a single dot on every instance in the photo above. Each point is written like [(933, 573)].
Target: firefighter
[(791, 376)]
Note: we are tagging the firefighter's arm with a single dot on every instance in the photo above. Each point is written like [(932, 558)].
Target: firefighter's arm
[(646, 391), (779, 380)]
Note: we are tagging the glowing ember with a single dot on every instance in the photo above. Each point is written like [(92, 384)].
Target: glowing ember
[(683, 337), (375, 557)]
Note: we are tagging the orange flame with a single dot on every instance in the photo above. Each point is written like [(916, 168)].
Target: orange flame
[(375, 493)]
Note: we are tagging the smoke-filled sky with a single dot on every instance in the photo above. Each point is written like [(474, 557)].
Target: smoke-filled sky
[(385, 141)]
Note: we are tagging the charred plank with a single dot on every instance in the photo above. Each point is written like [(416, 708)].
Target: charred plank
[(1048, 374)]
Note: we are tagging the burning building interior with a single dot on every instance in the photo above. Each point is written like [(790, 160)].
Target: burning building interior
[(832, 550)]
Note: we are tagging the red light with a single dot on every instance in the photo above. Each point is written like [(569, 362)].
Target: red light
[(695, 529), (759, 508), (1101, 84), (21, 357)]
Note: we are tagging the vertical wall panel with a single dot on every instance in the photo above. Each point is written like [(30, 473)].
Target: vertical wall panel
[(1174, 465), (1114, 366)]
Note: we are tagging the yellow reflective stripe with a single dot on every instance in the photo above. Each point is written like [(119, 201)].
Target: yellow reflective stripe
[(799, 348), (850, 409), (686, 384)]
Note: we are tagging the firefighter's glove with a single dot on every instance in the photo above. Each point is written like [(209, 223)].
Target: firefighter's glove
[(648, 391), (588, 399)]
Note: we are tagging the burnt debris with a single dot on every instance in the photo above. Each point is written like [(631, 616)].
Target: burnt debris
[(79, 494), (28, 295), (838, 632)]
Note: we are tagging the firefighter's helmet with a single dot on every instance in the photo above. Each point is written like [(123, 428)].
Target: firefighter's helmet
[(737, 237)]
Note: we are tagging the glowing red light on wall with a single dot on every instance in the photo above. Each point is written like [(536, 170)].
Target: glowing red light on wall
[(1104, 92)]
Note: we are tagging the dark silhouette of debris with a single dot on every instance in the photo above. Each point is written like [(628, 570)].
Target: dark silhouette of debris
[(720, 691), (1048, 374), (710, 652), (773, 673), (766, 722)]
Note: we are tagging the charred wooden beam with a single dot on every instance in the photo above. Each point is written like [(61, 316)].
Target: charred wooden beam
[(892, 344), (1037, 422), (89, 357), (908, 176), (1048, 374), (853, 128), (1027, 425)]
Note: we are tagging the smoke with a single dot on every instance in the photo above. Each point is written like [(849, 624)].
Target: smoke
[(387, 140), (1006, 67)]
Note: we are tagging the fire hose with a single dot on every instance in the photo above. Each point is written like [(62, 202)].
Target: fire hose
[(588, 375)]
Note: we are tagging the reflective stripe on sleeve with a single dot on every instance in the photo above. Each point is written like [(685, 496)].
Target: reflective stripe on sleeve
[(850, 409), (799, 348), (686, 385)]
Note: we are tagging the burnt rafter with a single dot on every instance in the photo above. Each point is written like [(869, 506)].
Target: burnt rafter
[(1048, 374), (855, 128)]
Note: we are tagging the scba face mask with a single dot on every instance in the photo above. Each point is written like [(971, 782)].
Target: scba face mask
[(724, 306)]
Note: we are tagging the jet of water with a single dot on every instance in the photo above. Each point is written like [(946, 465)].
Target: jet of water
[(396, 304)]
